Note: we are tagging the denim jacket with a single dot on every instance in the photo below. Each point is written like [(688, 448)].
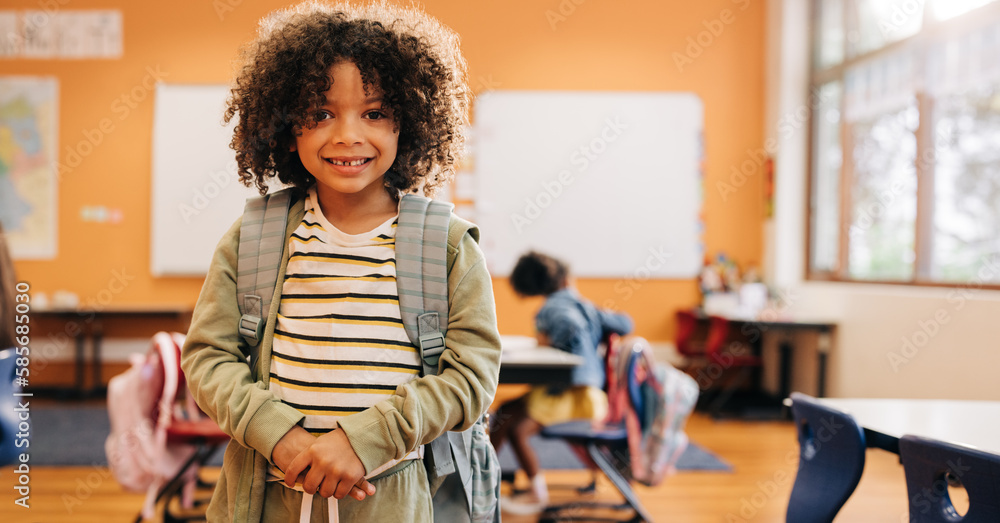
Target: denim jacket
[(574, 325)]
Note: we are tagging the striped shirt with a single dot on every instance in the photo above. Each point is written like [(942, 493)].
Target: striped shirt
[(339, 343)]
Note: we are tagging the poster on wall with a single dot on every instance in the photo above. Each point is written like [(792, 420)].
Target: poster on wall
[(28, 112)]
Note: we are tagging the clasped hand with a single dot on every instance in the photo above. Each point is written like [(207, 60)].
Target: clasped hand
[(326, 465)]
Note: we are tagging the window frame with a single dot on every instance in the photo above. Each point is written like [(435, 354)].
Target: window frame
[(931, 30)]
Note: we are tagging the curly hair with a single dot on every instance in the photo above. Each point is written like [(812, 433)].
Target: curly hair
[(536, 274), (410, 58)]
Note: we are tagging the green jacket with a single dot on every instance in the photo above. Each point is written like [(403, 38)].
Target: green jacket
[(213, 360)]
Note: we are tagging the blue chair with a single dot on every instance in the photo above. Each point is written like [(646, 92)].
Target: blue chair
[(8, 417), (831, 459), (931, 465), (607, 449)]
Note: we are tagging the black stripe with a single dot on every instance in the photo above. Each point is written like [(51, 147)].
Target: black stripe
[(332, 316), (387, 297), (323, 407), (306, 222), (334, 256), (311, 236), (349, 362), (332, 385), (343, 340), (306, 276), (319, 430)]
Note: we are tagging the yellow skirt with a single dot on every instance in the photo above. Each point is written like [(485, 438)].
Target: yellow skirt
[(579, 402)]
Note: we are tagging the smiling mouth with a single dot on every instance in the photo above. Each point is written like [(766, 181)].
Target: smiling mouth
[(352, 163)]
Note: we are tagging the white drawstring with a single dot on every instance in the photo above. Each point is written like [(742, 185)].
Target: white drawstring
[(306, 512)]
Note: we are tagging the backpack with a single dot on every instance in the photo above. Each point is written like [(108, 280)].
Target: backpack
[(8, 407), (142, 404), (464, 464), (662, 398)]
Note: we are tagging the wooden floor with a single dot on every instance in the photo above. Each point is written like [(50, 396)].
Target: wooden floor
[(764, 456)]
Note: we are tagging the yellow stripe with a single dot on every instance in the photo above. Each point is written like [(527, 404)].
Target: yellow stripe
[(338, 390), (344, 367), (349, 322), (312, 226), (344, 344), (339, 300), (306, 257), (327, 412)]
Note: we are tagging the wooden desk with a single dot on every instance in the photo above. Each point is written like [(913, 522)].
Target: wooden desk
[(966, 422), (537, 366), (83, 325), (754, 330)]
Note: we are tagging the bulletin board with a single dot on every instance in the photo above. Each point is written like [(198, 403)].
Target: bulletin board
[(608, 181), (196, 194)]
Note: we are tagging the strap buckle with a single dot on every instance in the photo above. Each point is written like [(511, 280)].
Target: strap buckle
[(251, 328)]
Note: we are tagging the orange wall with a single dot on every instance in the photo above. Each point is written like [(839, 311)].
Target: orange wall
[(596, 45)]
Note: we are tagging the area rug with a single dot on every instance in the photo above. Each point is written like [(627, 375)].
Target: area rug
[(73, 435)]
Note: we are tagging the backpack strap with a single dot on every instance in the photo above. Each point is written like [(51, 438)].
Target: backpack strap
[(262, 233), (422, 274), (422, 285)]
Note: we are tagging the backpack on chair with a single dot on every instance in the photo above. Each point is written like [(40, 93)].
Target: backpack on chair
[(142, 405), (470, 490)]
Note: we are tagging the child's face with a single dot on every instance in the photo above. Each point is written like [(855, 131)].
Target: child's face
[(354, 143)]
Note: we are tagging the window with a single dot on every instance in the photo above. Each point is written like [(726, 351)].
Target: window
[(905, 141)]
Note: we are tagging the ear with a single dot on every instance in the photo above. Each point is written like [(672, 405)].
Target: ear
[(293, 147)]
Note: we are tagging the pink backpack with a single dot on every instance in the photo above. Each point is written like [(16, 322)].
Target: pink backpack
[(655, 409), (142, 405)]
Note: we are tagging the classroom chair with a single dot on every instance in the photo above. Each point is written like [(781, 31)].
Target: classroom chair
[(831, 459), (719, 370), (931, 466), (606, 447), (159, 437)]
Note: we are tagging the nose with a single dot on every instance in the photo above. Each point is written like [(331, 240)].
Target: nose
[(347, 131)]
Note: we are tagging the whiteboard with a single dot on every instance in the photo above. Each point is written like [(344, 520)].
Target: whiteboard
[(610, 182), (196, 194)]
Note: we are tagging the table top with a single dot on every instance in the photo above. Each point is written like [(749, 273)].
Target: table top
[(779, 321), (123, 310), (967, 422), (536, 357)]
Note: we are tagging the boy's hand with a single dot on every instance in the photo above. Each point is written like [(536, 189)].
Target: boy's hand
[(289, 446), (331, 468)]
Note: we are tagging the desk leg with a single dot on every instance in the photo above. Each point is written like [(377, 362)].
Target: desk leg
[(96, 387), (785, 386), (823, 346), (80, 340)]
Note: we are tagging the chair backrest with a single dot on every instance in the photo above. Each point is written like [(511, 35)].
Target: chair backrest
[(718, 333), (831, 459), (931, 465), (686, 324)]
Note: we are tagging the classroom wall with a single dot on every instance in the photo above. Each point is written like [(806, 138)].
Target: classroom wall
[(518, 44), (892, 341)]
